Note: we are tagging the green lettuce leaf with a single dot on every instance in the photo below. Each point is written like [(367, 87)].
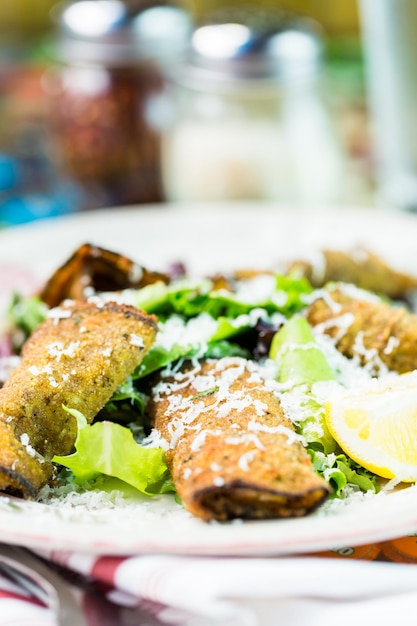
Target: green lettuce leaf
[(110, 449), (341, 471), (301, 362), (220, 349), (126, 405), (189, 298), (26, 312), (190, 341), (127, 392), (298, 355)]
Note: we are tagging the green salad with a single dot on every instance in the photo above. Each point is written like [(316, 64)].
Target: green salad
[(259, 318)]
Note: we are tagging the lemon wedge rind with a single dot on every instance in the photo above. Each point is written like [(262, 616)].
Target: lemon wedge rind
[(377, 426)]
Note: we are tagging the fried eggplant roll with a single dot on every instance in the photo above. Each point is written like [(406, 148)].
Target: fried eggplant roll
[(360, 267), (231, 450), (378, 335), (93, 269), (77, 357)]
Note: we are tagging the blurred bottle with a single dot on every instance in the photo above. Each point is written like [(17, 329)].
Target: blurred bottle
[(339, 19), (30, 187), (248, 120), (105, 92), (22, 201), (389, 40)]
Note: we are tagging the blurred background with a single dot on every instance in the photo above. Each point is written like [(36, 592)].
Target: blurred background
[(105, 103)]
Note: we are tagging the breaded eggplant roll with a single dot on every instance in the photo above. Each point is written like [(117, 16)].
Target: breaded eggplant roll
[(231, 450), (380, 336), (92, 269), (77, 357), (359, 267)]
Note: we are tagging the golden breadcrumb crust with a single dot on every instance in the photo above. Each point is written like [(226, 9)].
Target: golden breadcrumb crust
[(359, 267), (370, 329), (77, 357), (233, 461)]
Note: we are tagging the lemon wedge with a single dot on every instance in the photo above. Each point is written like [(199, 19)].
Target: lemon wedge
[(377, 425)]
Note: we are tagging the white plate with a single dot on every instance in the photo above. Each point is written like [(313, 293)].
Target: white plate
[(207, 238)]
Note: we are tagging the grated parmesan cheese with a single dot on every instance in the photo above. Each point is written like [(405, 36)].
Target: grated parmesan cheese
[(24, 440), (392, 343), (197, 332), (58, 313), (258, 289), (58, 350), (136, 340), (245, 459)]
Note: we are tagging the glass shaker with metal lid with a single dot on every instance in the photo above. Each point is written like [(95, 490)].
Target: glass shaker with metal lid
[(104, 94), (249, 122)]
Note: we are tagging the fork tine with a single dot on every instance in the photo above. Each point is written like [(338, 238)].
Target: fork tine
[(24, 582), (31, 568)]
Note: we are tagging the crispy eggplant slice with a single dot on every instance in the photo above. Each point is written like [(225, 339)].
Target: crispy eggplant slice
[(359, 267), (379, 335), (94, 269), (77, 357), (231, 450)]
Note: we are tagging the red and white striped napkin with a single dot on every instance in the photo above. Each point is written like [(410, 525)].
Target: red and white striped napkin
[(208, 591)]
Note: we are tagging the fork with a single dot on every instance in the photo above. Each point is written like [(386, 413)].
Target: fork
[(42, 582)]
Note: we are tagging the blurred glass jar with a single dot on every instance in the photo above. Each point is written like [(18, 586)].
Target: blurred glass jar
[(105, 119), (249, 120)]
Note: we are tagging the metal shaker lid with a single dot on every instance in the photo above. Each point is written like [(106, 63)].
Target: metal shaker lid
[(267, 50), (114, 32)]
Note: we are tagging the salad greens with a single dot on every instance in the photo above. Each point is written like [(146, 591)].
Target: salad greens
[(26, 313), (191, 297), (301, 363), (258, 319), (299, 358), (110, 449)]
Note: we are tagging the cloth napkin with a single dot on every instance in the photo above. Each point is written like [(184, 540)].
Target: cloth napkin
[(355, 586)]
